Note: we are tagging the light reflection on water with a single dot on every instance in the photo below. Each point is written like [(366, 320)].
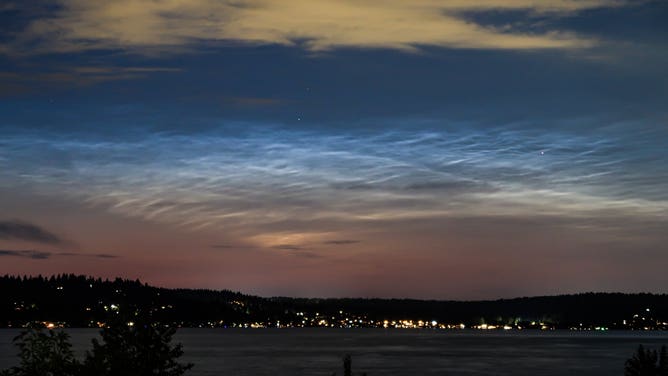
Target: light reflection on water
[(277, 352)]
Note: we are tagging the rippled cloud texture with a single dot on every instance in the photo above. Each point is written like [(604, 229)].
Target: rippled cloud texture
[(239, 177)]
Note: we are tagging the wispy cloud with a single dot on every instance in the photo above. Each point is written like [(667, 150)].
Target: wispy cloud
[(77, 76), (299, 251), (31, 254), (288, 247), (93, 255), (263, 180), (341, 242), (316, 25), (104, 256), (19, 230)]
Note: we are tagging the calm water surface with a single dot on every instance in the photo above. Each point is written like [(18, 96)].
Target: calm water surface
[(277, 352)]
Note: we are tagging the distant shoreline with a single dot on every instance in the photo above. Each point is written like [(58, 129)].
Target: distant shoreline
[(82, 301)]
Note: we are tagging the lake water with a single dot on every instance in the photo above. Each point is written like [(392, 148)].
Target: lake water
[(278, 352)]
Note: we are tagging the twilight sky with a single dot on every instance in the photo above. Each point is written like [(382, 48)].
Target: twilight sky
[(428, 148)]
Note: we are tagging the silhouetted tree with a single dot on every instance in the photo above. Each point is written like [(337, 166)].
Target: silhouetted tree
[(44, 353), (347, 365), (644, 363), (139, 348), (663, 361)]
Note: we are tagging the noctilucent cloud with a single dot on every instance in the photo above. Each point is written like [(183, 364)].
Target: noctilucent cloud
[(425, 149)]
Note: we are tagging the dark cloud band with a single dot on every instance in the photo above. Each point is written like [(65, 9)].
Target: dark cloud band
[(31, 254), (18, 230), (43, 255), (341, 242)]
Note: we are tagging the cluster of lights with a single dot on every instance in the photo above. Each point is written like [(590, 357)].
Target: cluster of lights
[(53, 325), (112, 308), (639, 321), (496, 327)]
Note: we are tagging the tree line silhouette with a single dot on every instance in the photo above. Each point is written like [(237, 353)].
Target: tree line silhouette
[(81, 301)]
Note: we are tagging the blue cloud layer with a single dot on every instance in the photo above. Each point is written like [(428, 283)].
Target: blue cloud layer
[(246, 176)]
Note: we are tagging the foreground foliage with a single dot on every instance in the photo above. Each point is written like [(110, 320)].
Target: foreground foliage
[(44, 353), (139, 349), (647, 362)]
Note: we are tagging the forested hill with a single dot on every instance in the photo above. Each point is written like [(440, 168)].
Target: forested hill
[(80, 301)]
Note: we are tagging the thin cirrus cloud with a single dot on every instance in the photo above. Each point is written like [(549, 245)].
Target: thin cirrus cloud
[(76, 76), (27, 253), (316, 25), (288, 247), (94, 255), (341, 242)]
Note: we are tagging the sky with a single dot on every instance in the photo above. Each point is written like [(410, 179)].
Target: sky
[(426, 149)]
